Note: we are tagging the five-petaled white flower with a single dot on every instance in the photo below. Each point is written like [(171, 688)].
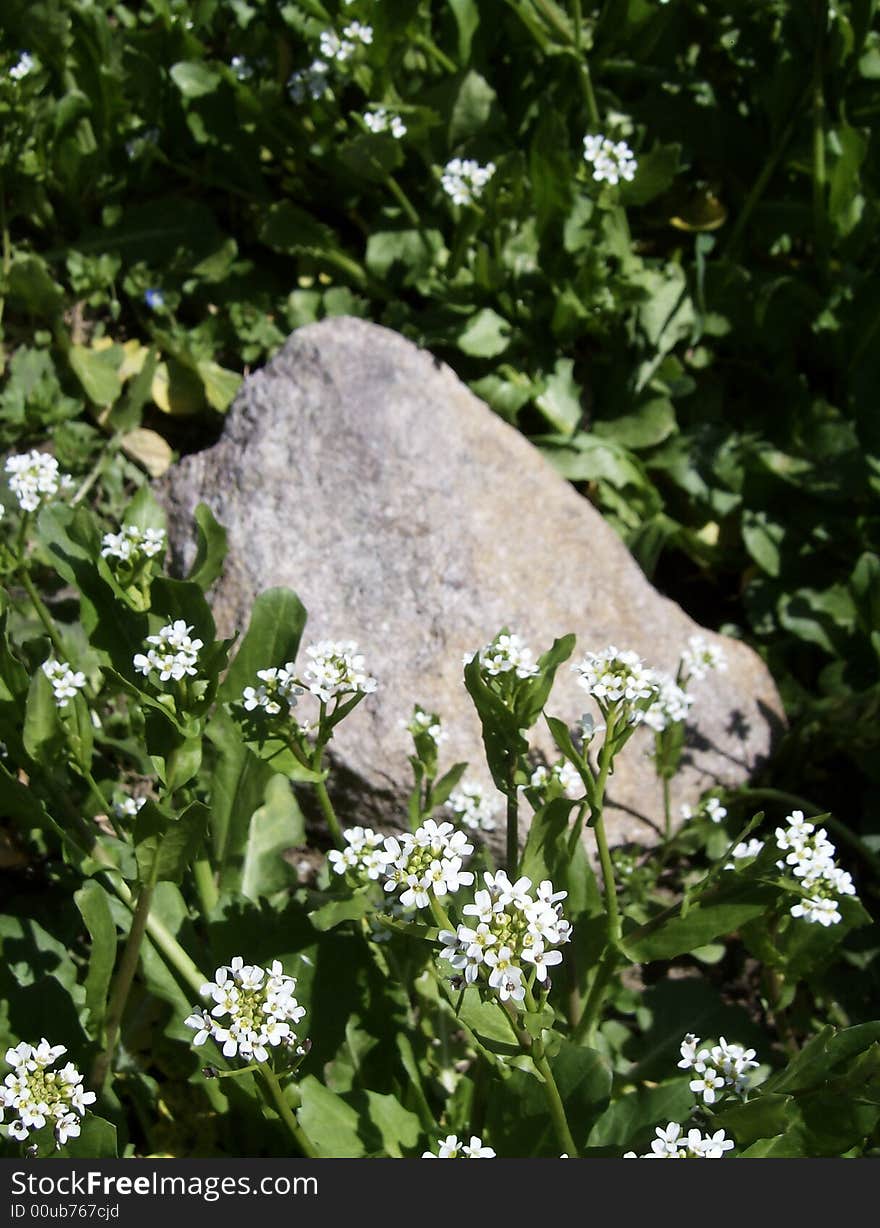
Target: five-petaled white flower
[(254, 1010), (38, 1095)]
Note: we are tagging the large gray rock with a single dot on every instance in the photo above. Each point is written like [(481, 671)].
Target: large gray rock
[(359, 471)]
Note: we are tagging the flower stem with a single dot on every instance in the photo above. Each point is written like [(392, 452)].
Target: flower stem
[(286, 1113), (329, 814), (667, 812), (586, 1027), (551, 1090), (43, 614), (122, 985), (203, 876), (512, 819)]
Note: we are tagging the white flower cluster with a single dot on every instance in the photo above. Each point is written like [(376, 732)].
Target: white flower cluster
[(701, 658), (723, 1068), (173, 653), (242, 67), (463, 179), (39, 1095), (426, 862), (451, 1148), (514, 934), (423, 723), (611, 161), (362, 855), (128, 807), (253, 1008), (611, 676), (711, 808), (670, 1144), (24, 65), (562, 773), (35, 479), (474, 806), (275, 692), (336, 668), (507, 654), (810, 856), (311, 82), (65, 681), (383, 120), (669, 708), (341, 49), (132, 545)]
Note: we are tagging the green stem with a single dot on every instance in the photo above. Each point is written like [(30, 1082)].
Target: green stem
[(512, 819), (577, 828), (551, 1090), (206, 886), (286, 1113), (760, 184), (667, 812), (439, 57), (440, 915), (329, 813), (122, 985), (405, 203), (43, 614), (586, 1028), (95, 790)]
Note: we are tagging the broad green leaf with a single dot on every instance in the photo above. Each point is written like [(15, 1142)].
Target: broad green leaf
[(277, 825), (353, 907), (194, 78), (96, 1141), (166, 847), (560, 402), (630, 1121), (220, 385), (655, 173), (485, 335), (93, 904), (278, 618), (98, 372), (329, 1121), (716, 916), (43, 733), (472, 107)]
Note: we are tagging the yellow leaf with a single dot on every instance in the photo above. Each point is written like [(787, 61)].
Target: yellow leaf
[(702, 212), (177, 390), (149, 449), (135, 357)]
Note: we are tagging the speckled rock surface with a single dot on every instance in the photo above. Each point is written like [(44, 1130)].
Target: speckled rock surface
[(359, 471)]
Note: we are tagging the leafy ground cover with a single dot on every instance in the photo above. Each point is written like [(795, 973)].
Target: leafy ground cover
[(686, 328)]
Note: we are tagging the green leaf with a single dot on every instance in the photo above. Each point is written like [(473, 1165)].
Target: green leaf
[(351, 908), (649, 425), (630, 1121), (716, 916), (398, 1127), (287, 228), (238, 784), (550, 171), (762, 1118), (194, 78), (501, 730), (96, 1141), (166, 847), (278, 619), (220, 385), (30, 284), (485, 335), (330, 1123), (472, 108), (404, 254), (277, 825), (763, 540), (372, 156), (560, 402), (98, 372), (211, 544), (654, 174), (43, 733), (94, 907), (467, 19)]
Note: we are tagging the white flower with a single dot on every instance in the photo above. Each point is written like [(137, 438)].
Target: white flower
[(670, 1145), (362, 856), (700, 658), (275, 693), (358, 32), (171, 653), (611, 161), (474, 806), (612, 676), (670, 707), (451, 1148), (311, 82), (132, 545), (714, 810), (24, 65), (745, 851), (39, 1095), (35, 479), (65, 681), (253, 1010), (241, 67), (707, 1084), (128, 807), (336, 668), (810, 856), (426, 863), (463, 179), (562, 774), (422, 723), (723, 1068), (382, 120), (507, 654), (517, 932)]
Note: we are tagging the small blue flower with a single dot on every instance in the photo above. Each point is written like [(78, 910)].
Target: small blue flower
[(154, 299)]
